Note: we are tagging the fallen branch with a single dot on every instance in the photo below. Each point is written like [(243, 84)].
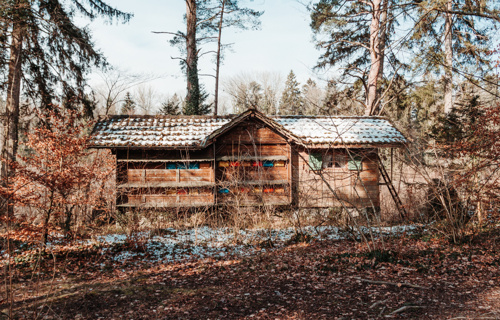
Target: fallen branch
[(404, 308), (400, 284), (480, 318)]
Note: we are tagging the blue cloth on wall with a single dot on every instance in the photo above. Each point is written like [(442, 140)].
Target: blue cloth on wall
[(171, 165), (268, 163), (190, 165)]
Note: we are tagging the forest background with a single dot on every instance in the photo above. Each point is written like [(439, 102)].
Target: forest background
[(431, 67)]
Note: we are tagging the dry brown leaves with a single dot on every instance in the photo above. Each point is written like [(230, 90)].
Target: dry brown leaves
[(319, 280)]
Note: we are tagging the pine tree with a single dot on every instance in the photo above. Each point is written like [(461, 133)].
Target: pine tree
[(313, 97), (187, 42), (205, 20), (128, 106), (291, 99), (195, 103), (454, 37), (48, 59), (218, 15), (341, 100), (354, 36), (171, 106)]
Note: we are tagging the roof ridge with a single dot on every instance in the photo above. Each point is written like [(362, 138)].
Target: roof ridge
[(327, 116), (149, 116), (227, 116)]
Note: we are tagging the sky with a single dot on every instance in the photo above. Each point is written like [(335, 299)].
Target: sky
[(283, 43)]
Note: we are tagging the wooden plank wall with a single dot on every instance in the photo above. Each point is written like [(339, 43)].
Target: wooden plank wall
[(355, 188), (144, 180), (253, 141), (148, 182)]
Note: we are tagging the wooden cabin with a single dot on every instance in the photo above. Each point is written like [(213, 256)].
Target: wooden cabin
[(246, 160)]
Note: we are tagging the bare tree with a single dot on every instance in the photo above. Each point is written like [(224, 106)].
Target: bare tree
[(205, 21), (261, 91), (225, 14), (147, 99), (116, 82)]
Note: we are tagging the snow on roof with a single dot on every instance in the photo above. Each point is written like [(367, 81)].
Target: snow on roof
[(147, 131), (182, 131), (341, 130)]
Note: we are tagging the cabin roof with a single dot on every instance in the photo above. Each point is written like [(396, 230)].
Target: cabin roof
[(339, 130), (174, 132)]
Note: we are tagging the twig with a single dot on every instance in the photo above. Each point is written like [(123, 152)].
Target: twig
[(480, 318), (400, 284), (382, 311), (404, 308), (377, 303)]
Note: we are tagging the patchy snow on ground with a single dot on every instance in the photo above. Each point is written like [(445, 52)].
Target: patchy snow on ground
[(170, 245), (205, 242)]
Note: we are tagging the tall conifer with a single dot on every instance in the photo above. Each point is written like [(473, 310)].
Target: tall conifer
[(291, 99)]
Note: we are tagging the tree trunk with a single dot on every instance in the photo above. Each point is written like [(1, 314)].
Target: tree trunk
[(372, 103), (216, 102), (48, 214), (11, 124), (192, 54), (384, 25), (67, 220), (448, 52)]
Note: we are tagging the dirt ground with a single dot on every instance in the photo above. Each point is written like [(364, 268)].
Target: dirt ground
[(411, 278)]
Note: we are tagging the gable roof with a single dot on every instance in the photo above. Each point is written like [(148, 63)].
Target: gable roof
[(250, 113), (174, 132)]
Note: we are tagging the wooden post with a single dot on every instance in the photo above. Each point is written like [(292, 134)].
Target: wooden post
[(289, 164), (214, 174), (392, 167)]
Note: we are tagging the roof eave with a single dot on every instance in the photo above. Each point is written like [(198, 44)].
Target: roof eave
[(353, 145)]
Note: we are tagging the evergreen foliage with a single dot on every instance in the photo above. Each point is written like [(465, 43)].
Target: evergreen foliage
[(234, 16), (128, 106), (171, 106), (357, 37), (341, 100), (457, 125), (195, 103), (56, 54), (291, 99), (472, 33), (204, 25), (347, 29)]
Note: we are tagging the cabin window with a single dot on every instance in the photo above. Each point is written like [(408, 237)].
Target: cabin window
[(354, 163), (327, 161), (340, 161), (316, 161)]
